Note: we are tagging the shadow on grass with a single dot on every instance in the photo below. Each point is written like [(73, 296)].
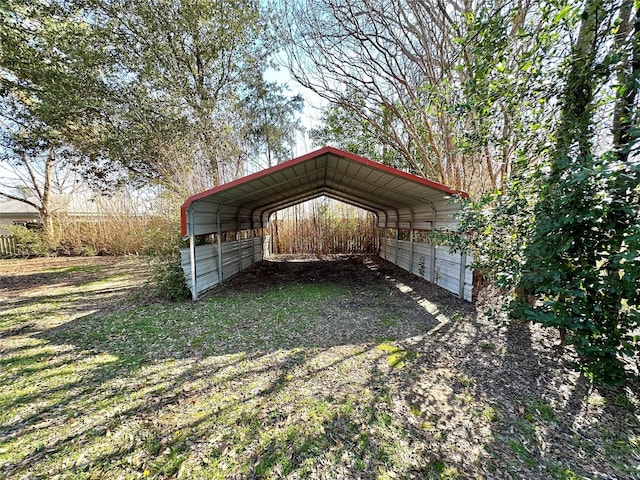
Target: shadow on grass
[(301, 305), (302, 369)]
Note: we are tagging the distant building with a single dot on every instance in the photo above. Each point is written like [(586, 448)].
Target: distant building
[(13, 212), (85, 206)]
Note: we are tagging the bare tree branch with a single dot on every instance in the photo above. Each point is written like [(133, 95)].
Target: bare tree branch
[(20, 199), (406, 63)]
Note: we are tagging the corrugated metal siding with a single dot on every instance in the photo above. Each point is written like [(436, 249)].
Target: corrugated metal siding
[(421, 217), (207, 263), (422, 261), (447, 264), (236, 256)]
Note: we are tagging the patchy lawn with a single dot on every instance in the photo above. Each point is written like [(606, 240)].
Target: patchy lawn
[(347, 369)]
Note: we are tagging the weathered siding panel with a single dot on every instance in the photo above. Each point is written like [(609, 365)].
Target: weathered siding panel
[(422, 261), (447, 264), (404, 254), (207, 274), (388, 248)]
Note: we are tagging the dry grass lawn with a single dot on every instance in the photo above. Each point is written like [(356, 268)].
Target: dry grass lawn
[(344, 369)]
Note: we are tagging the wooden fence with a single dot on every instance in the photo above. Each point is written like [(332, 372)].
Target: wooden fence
[(7, 246)]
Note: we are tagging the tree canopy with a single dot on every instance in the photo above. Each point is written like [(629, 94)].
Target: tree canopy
[(445, 85), (143, 92), (51, 97)]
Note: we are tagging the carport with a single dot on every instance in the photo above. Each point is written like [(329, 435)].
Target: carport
[(235, 217)]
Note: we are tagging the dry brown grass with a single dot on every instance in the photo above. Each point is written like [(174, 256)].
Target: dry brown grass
[(115, 234), (324, 228)]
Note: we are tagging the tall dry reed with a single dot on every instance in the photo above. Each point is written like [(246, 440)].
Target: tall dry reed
[(115, 226), (109, 235), (324, 227)]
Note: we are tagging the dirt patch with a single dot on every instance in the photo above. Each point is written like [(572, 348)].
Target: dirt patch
[(96, 283), (26, 275), (366, 274)]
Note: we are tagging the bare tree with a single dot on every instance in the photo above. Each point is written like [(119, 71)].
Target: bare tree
[(43, 181), (404, 68)]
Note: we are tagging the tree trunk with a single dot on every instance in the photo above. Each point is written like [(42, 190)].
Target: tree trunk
[(576, 117), (628, 77), (46, 213)]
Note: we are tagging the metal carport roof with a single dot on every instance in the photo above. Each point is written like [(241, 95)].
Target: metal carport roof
[(399, 199)]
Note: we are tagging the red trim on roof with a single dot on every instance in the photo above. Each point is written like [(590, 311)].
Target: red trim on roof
[(302, 159)]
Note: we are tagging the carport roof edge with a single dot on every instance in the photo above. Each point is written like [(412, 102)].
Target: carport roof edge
[(268, 176)]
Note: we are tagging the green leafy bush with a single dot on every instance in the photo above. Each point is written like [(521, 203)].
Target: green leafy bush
[(168, 277), (496, 230), (566, 241), (568, 248), (162, 245), (163, 248), (583, 260), (29, 242)]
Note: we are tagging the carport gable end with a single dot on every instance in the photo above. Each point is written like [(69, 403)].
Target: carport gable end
[(401, 202)]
